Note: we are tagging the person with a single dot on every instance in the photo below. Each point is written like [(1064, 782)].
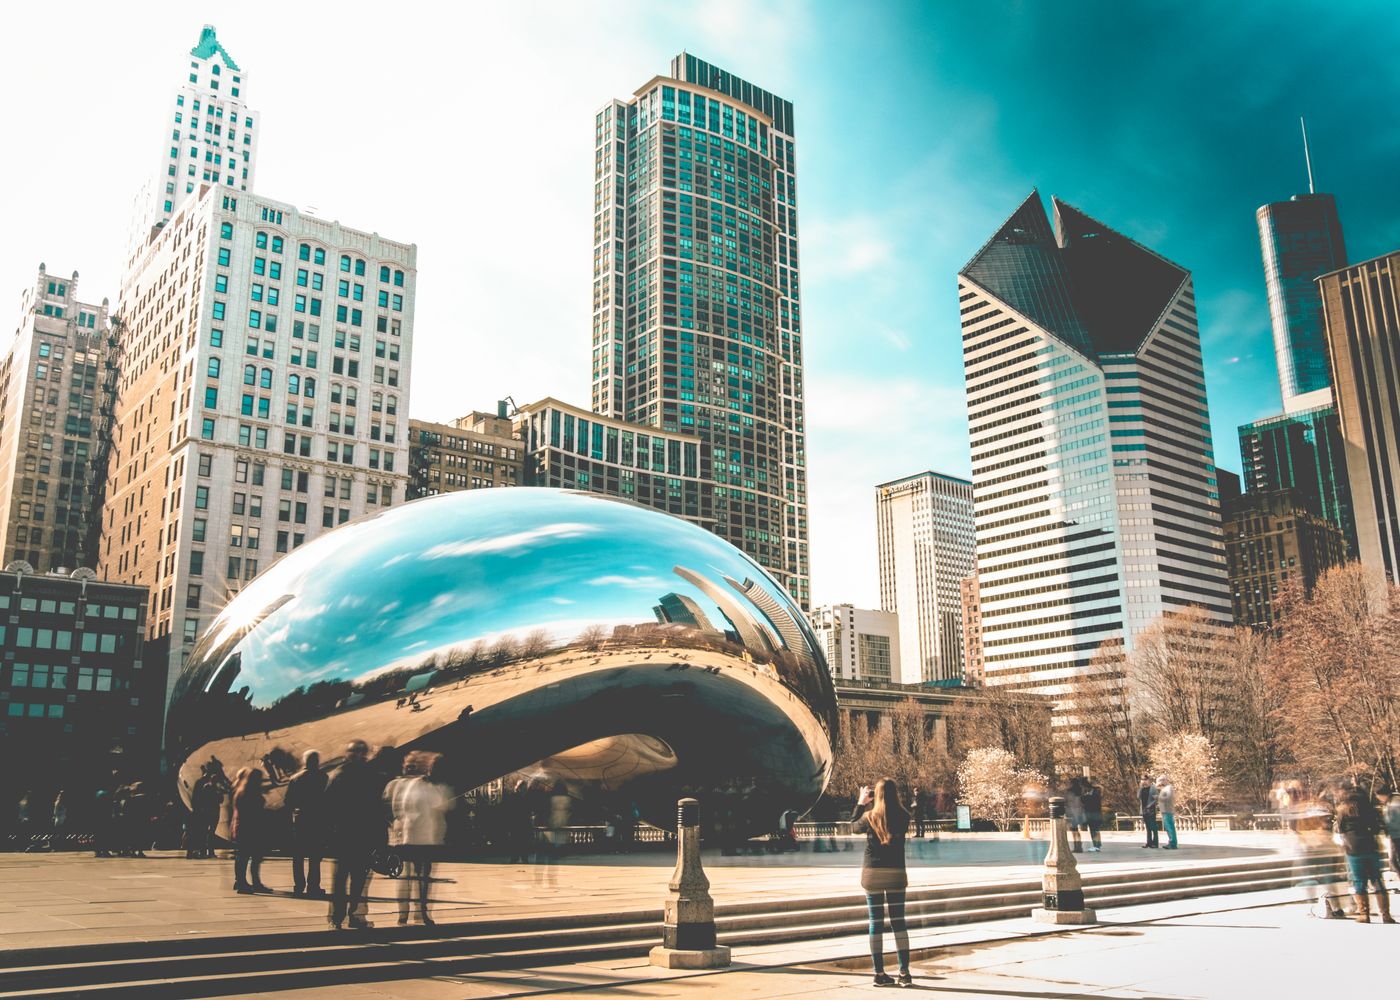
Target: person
[(102, 824), (519, 823), (1359, 824), (1074, 814), (1391, 819), (884, 821), (249, 832), (1147, 801), (1166, 805), (1311, 822), (138, 810), (354, 822), (305, 799), (419, 806), (60, 822), (206, 802), (1091, 798), (916, 810)]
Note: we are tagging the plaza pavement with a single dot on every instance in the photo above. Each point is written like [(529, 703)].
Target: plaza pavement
[(1237, 947), (70, 899)]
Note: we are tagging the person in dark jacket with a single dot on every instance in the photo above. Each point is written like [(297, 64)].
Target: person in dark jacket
[(519, 823), (1359, 824), (354, 813), (305, 799), (206, 802), (1147, 800), (249, 830), (1091, 798), (885, 822)]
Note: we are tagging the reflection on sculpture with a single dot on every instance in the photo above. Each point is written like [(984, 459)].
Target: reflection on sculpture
[(548, 632)]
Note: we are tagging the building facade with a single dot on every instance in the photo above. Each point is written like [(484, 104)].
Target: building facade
[(478, 451), (1361, 308), (860, 644), (974, 669), (924, 531), (213, 140), (79, 698), (263, 399), (1302, 451), (1271, 541), (1092, 463), (1300, 238), (696, 319), (568, 447), (55, 400)]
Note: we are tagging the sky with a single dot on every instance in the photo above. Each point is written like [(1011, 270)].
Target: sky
[(920, 126)]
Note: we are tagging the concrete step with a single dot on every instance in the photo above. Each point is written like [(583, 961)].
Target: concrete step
[(229, 965)]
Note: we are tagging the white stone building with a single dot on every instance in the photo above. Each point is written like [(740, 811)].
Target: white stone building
[(923, 526), (263, 399), (213, 139)]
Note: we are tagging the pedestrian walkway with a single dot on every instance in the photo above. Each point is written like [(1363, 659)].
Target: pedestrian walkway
[(66, 900)]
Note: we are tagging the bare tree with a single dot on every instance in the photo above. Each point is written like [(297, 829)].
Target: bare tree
[(996, 717), (1100, 730), (1336, 666), (1188, 761), (995, 788)]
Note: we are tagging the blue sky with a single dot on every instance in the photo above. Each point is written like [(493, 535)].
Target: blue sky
[(920, 127)]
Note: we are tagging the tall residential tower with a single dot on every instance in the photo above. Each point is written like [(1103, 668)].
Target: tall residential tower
[(696, 320), (923, 526), (1092, 465)]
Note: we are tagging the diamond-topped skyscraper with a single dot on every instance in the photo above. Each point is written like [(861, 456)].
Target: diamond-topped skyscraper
[(1094, 485), (696, 319)]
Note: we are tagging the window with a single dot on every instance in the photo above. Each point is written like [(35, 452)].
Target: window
[(206, 430), (224, 256), (213, 367), (206, 465), (201, 498), (192, 593), (196, 563), (260, 241), (197, 529), (216, 337), (218, 310), (211, 398), (226, 231)]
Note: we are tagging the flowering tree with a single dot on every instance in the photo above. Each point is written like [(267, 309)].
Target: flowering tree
[(1188, 761), (993, 786)]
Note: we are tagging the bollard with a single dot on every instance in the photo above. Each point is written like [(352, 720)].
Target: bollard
[(1063, 890), (688, 931)]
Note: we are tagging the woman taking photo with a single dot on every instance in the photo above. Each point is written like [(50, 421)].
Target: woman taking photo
[(884, 821)]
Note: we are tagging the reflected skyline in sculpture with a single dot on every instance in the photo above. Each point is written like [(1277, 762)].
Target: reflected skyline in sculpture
[(552, 631)]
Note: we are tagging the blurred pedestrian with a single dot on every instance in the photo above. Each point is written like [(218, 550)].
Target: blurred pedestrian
[(1311, 821), (60, 822), (305, 800), (24, 823), (519, 823), (1091, 798), (1391, 819), (138, 811), (102, 823), (1166, 805), (1074, 814), (355, 826), (916, 810), (1359, 824), (884, 821), (1147, 802), (419, 807), (206, 803), (249, 831)]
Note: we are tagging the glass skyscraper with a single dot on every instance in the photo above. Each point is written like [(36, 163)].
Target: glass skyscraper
[(1301, 451), (1301, 239), (696, 322)]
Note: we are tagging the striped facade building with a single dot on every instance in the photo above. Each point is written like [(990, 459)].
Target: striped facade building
[(1094, 485)]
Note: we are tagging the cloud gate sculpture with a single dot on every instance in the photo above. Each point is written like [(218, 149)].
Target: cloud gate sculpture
[(547, 633)]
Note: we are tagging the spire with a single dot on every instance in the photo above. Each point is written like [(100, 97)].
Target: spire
[(209, 45), (1307, 154)]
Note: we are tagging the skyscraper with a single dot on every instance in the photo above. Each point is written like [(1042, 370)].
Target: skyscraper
[(1301, 238), (55, 398), (1092, 464), (1361, 307), (923, 527), (1272, 541), (860, 644), (213, 140), (1301, 451), (263, 397), (696, 320)]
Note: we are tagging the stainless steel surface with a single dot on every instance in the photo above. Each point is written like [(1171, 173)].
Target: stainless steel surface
[(552, 633)]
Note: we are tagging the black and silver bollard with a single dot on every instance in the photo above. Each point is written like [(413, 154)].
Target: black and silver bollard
[(688, 933), (1063, 889)]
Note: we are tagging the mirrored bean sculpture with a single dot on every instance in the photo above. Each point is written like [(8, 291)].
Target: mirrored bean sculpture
[(547, 635)]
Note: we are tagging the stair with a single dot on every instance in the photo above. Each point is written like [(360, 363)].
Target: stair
[(242, 964)]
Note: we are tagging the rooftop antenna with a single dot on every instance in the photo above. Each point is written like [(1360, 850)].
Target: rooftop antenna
[(1307, 156)]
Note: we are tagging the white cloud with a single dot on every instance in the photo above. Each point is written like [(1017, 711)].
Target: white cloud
[(516, 543)]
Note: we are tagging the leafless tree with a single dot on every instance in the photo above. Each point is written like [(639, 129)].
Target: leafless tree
[(1188, 761)]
